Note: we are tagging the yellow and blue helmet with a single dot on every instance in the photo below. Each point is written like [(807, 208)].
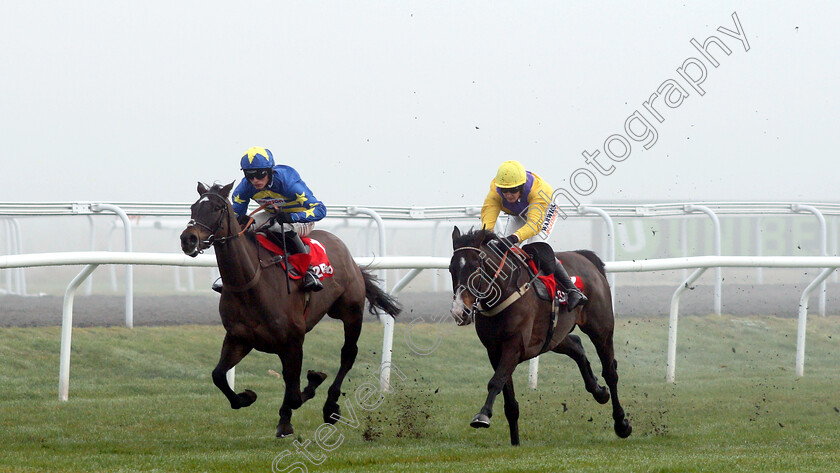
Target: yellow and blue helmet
[(257, 158)]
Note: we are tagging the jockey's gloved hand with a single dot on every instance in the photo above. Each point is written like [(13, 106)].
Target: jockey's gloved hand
[(511, 239), (242, 219), (282, 217)]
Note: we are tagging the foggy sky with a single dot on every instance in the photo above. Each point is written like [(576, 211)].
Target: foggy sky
[(415, 103)]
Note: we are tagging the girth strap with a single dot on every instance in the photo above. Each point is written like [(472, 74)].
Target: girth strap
[(552, 323), (253, 282)]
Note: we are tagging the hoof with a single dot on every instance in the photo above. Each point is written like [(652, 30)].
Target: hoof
[(315, 378), (480, 421), (246, 398), (602, 395), (331, 412), (284, 430), (623, 429)]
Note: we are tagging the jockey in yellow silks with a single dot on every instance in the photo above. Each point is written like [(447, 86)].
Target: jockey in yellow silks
[(527, 198)]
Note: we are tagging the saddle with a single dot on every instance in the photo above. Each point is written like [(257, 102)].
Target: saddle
[(541, 263), (299, 262)]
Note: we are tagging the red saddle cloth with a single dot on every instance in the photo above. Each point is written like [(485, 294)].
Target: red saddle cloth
[(550, 282), (317, 257)]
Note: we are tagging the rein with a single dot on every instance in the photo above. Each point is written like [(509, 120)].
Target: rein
[(513, 297), (212, 240)]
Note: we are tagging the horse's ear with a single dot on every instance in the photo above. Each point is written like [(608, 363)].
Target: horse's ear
[(226, 190), (456, 233), (202, 188)]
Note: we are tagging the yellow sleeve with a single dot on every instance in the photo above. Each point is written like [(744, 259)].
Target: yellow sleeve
[(538, 200), (491, 208)]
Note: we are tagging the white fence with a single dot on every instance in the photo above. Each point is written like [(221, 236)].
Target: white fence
[(388, 218), (92, 260), (15, 281)]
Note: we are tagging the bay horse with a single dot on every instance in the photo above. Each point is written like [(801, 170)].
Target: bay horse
[(258, 312), (492, 287)]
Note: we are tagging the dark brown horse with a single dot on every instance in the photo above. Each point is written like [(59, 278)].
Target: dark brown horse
[(258, 312), (491, 287)]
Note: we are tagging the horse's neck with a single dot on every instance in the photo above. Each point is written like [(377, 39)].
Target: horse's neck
[(237, 260), (511, 275)]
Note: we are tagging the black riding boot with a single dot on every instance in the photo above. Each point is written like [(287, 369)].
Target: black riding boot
[(310, 280), (574, 297)]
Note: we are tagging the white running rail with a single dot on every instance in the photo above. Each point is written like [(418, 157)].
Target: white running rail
[(91, 260)]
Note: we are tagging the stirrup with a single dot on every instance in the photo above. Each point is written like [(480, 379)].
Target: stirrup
[(217, 285), (311, 283), (574, 298)]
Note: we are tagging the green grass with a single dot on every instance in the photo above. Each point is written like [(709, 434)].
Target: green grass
[(143, 400)]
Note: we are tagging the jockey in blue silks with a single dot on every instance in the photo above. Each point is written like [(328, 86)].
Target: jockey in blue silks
[(292, 209)]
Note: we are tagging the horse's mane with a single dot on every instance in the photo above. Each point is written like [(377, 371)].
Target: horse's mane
[(475, 237)]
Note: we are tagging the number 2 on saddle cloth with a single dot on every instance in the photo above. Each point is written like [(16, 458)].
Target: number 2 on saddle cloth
[(300, 262)]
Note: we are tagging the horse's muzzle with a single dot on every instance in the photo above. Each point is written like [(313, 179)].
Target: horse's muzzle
[(189, 242)]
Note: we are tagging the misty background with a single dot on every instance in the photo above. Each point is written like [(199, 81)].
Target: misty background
[(413, 104)]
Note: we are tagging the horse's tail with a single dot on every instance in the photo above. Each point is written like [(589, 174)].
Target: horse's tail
[(378, 298), (594, 259)]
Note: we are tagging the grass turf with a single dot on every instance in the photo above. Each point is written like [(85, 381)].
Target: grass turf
[(143, 400)]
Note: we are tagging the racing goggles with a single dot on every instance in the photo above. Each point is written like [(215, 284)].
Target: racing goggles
[(255, 173)]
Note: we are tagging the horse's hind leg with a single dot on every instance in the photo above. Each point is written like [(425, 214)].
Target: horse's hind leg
[(573, 348), (603, 342), (352, 318), (232, 353)]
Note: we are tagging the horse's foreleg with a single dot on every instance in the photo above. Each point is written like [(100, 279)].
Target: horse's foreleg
[(292, 358), (232, 353), (352, 330), (511, 412), (604, 346), (573, 348), (503, 366)]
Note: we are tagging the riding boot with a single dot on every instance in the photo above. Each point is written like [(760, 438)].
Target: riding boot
[(296, 245), (293, 243), (574, 295)]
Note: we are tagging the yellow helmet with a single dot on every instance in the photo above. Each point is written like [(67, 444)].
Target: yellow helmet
[(510, 174)]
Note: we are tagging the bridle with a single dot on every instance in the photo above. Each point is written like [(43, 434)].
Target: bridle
[(211, 239), (478, 306)]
